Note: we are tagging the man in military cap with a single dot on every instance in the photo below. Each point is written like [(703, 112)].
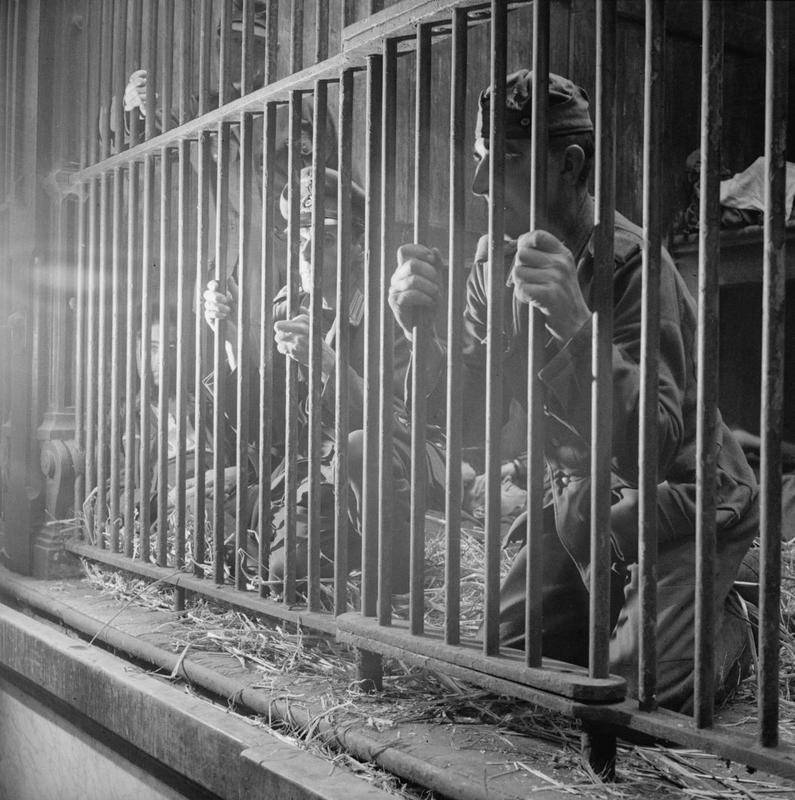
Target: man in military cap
[(291, 338), (552, 269)]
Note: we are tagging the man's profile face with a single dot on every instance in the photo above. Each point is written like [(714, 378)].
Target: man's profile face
[(518, 176)]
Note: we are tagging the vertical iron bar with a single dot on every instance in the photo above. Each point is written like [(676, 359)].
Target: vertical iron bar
[(149, 63), (341, 367), (420, 332), (268, 277), (706, 434), (131, 382), (602, 353), (225, 48), (773, 343), (200, 413), (219, 346), (115, 361), (163, 366), (536, 333), (649, 346), (145, 357), (386, 524), (184, 64), (494, 324), (101, 509), (166, 64), (80, 383), (242, 510), (456, 293), (205, 45), (271, 42), (247, 48), (372, 322), (296, 36), (133, 63), (105, 77), (180, 472), (321, 32), (316, 341), (91, 349), (291, 367), (119, 78)]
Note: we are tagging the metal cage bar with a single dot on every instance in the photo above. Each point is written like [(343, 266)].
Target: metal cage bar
[(315, 410), (386, 525), (494, 324), (455, 298), (91, 349), (649, 363), (144, 338), (536, 336), (220, 403), (163, 361), (131, 379), (420, 333), (291, 367), (246, 168), (116, 363), (601, 391), (372, 323), (267, 407), (344, 267), (707, 347), (773, 348)]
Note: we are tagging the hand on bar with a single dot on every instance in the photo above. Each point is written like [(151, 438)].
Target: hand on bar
[(135, 92), (292, 339), (416, 285), (544, 274)]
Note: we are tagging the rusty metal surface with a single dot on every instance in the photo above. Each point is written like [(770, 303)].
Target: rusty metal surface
[(536, 337), (131, 373), (494, 325), (386, 524), (343, 266), (318, 234), (559, 678), (245, 168), (267, 407), (372, 323), (116, 363), (144, 458), (707, 354), (772, 379), (291, 367), (219, 409), (455, 324), (650, 335), (421, 333), (165, 272), (602, 298)]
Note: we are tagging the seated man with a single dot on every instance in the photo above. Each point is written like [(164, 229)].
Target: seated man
[(291, 339), (552, 270)]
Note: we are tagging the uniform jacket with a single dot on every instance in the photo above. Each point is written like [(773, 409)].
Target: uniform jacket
[(565, 377)]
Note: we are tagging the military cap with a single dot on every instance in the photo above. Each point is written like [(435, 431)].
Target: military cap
[(307, 193), (567, 114)]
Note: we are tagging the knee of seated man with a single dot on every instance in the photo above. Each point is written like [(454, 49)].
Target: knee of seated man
[(355, 452)]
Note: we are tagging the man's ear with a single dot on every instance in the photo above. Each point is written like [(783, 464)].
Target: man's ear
[(573, 163)]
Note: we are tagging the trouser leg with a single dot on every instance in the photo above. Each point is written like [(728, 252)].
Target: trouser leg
[(676, 598), (564, 602)]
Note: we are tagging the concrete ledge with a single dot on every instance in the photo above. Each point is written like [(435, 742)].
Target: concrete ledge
[(217, 751)]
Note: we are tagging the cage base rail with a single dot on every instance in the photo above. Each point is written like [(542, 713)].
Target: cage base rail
[(244, 601), (554, 677)]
